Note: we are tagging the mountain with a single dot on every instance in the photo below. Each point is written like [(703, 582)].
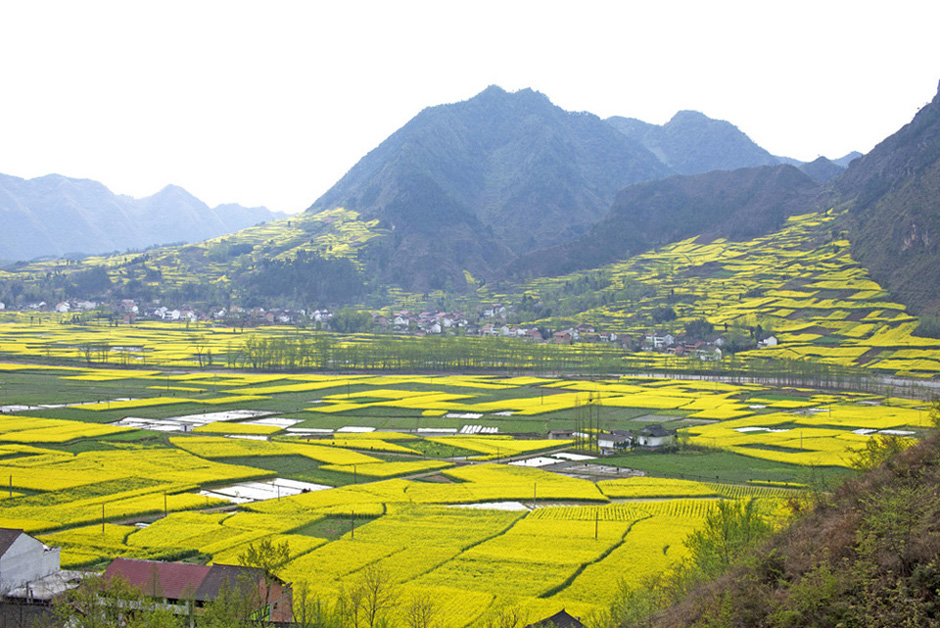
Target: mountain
[(693, 143), (845, 161), (55, 215), (737, 204), (822, 169), (893, 194), (513, 170)]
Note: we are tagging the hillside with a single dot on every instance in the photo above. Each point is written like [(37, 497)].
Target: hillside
[(693, 143), (497, 175), (739, 204), (822, 169), (866, 556), (893, 193), (56, 215)]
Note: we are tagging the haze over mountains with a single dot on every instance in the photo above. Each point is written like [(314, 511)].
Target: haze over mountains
[(472, 185), (55, 215)]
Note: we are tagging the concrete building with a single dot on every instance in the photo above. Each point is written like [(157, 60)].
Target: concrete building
[(23, 559)]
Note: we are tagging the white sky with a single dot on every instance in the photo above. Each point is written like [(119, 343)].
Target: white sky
[(270, 103)]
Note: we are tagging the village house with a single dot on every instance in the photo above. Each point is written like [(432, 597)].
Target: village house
[(654, 437), (561, 619), (769, 341), (181, 585), (562, 337), (659, 340), (612, 442), (24, 559)]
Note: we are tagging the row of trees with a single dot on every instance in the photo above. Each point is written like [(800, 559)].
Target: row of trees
[(464, 354)]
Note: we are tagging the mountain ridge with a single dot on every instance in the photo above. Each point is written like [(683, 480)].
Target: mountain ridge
[(524, 173), (893, 193), (737, 204), (692, 143), (55, 215)]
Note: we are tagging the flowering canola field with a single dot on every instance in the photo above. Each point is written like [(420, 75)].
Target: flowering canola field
[(459, 535)]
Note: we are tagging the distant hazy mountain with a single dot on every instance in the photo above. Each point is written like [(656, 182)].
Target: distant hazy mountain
[(845, 161), (737, 204), (895, 210), (693, 143), (466, 186), (55, 215), (822, 169)]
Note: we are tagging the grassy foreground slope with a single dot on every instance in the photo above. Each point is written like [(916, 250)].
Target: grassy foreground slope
[(866, 556)]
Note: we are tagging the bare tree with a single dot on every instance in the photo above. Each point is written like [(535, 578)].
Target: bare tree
[(421, 612)]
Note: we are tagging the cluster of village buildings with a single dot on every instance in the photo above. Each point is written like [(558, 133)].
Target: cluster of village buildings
[(492, 320)]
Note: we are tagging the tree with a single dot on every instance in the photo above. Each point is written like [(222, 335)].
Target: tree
[(663, 314), (878, 450), (268, 557), (730, 529), (101, 603), (232, 608), (699, 328), (370, 600), (421, 611), (348, 321)]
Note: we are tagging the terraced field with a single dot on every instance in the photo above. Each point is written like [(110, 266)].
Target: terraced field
[(410, 495), (799, 283)]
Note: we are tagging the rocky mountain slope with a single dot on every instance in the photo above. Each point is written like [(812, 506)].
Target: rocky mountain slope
[(56, 215), (894, 196), (737, 204), (485, 179), (693, 143)]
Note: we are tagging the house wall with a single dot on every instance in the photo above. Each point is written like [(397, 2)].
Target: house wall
[(280, 601), (26, 560), (656, 441)]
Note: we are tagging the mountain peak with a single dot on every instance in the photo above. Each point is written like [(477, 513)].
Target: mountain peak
[(173, 190), (690, 115), (496, 95), (693, 143), (513, 170)]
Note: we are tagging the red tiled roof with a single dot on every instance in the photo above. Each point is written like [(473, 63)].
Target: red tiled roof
[(173, 581)]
